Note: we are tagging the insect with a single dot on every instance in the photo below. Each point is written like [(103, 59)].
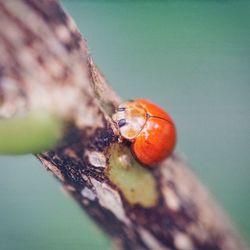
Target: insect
[(149, 128)]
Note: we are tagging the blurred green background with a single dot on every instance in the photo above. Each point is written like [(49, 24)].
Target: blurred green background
[(191, 57)]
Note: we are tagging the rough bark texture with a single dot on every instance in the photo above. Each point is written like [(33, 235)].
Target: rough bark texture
[(44, 63)]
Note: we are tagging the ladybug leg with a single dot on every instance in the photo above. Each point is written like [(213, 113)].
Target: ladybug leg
[(120, 124), (120, 139)]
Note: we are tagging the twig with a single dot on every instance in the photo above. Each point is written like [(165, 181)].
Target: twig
[(44, 63)]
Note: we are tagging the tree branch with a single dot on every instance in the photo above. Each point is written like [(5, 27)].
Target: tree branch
[(44, 64)]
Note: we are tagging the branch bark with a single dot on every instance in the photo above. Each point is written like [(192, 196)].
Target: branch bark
[(45, 64)]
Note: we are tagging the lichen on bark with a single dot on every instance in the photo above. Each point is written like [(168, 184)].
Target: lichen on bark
[(135, 182)]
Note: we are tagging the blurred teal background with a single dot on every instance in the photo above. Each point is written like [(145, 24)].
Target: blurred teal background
[(191, 57)]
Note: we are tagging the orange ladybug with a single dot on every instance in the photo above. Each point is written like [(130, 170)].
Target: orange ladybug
[(149, 128)]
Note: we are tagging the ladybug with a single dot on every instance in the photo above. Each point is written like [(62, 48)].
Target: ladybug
[(149, 128)]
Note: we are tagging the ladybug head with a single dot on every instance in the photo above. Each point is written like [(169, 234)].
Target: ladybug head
[(130, 118)]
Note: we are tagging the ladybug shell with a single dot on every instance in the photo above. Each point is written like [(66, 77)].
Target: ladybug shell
[(157, 139)]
